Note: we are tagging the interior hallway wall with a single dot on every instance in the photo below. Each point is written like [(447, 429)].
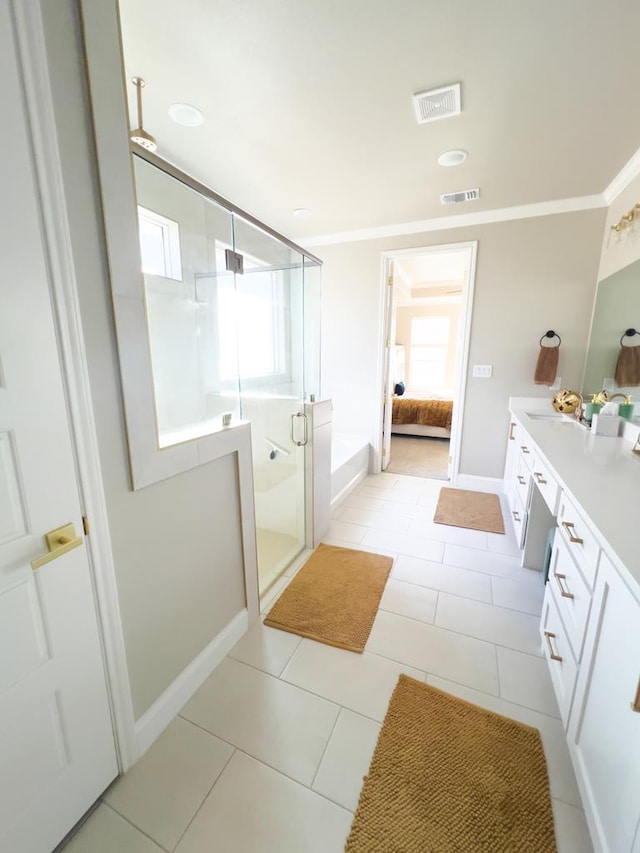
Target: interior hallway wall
[(532, 275), (177, 544)]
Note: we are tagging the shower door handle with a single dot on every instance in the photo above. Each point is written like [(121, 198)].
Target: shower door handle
[(305, 432)]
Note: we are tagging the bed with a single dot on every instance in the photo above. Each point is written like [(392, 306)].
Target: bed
[(420, 414)]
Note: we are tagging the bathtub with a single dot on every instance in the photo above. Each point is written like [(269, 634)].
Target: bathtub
[(349, 464)]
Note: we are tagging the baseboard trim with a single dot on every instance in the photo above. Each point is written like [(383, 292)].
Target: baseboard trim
[(351, 485), (156, 719), (479, 484)]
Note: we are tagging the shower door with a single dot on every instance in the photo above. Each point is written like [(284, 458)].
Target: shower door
[(271, 358)]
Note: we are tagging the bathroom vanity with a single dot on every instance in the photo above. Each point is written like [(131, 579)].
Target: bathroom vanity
[(588, 487)]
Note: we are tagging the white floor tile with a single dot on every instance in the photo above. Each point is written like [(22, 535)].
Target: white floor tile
[(488, 622), (525, 680), (380, 481), (572, 833), (519, 594), (107, 832), (504, 543), (411, 546), (347, 759), (374, 518), (425, 647), (561, 777), (449, 533), (387, 495), (444, 578), (277, 723), (364, 683), (266, 648), (405, 510), (482, 561), (357, 501), (253, 809), (163, 791), (337, 512), (353, 533), (361, 546), (407, 599)]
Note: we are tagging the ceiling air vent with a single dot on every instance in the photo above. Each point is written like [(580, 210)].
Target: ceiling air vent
[(437, 103), (457, 198)]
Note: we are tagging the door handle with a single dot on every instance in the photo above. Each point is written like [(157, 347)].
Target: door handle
[(59, 541), (304, 421)]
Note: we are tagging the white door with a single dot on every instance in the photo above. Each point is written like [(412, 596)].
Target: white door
[(57, 751), (388, 368)]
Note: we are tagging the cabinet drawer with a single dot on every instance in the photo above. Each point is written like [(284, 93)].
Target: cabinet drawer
[(557, 651), (519, 519), (522, 480), (570, 594), (546, 482), (581, 542), (526, 448)]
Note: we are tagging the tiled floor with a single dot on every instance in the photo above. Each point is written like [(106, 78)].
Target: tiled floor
[(269, 756)]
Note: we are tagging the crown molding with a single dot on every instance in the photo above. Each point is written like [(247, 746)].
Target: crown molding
[(462, 220), (629, 171)]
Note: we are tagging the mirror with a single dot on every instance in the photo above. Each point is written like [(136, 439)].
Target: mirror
[(617, 308)]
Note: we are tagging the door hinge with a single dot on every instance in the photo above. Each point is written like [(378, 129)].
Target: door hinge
[(390, 281), (85, 525), (388, 344), (384, 451), (450, 460)]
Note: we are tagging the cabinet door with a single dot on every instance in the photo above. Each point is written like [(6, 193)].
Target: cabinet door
[(605, 728)]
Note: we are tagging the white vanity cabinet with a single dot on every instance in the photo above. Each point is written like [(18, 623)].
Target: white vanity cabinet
[(590, 625), (604, 727)]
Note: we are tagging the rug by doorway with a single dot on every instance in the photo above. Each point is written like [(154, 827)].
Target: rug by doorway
[(448, 776), (334, 597), (419, 456), (473, 510)]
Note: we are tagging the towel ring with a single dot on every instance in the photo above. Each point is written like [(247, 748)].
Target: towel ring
[(629, 333), (552, 334)]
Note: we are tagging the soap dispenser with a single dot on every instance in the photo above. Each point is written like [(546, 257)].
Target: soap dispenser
[(625, 410)]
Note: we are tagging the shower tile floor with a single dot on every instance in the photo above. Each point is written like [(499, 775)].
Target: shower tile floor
[(269, 755)]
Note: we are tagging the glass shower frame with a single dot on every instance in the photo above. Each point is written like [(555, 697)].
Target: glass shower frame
[(266, 313)]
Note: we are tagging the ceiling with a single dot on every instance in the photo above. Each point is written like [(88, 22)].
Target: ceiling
[(308, 102), (434, 276)]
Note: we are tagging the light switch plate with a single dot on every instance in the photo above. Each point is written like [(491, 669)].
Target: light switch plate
[(482, 371)]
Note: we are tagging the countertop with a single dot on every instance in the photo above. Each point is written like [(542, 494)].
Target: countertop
[(601, 474)]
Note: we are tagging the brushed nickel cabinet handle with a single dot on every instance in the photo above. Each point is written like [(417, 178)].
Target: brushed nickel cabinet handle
[(524, 449), (516, 515), (569, 526), (563, 591), (521, 480), (552, 654), (539, 478), (511, 428)]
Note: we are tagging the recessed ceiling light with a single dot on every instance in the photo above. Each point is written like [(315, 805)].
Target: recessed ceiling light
[(302, 213), (186, 115), (453, 158)]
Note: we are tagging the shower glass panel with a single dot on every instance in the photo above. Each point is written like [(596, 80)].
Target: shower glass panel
[(245, 342), (271, 356), (187, 292)]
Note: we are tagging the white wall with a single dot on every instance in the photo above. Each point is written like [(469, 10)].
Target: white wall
[(532, 275), (177, 544)]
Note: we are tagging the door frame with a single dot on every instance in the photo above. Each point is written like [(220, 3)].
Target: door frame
[(462, 357), (63, 286)]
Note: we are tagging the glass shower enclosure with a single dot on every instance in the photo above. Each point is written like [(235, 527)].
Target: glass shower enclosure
[(233, 320)]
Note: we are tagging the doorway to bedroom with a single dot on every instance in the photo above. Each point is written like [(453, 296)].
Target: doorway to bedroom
[(426, 324)]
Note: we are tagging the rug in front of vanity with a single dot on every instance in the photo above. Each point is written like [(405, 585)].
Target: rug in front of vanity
[(448, 776), (334, 597), (473, 510)]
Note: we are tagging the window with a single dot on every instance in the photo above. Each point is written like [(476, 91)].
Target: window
[(251, 322), (159, 244), (429, 349)]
